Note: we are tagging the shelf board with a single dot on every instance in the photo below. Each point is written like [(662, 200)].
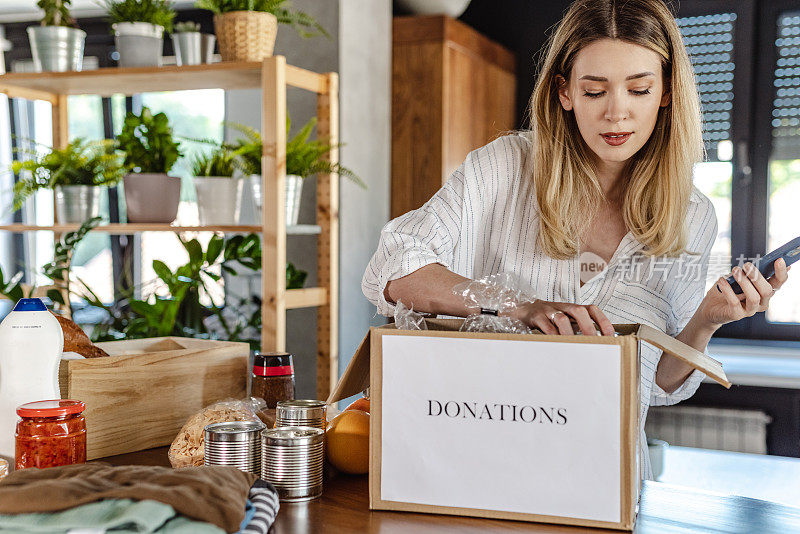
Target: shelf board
[(130, 228), (306, 298), (133, 80)]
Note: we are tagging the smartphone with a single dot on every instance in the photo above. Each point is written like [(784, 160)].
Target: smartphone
[(790, 252)]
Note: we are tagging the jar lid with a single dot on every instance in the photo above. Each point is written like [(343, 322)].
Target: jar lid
[(51, 408), (272, 364)]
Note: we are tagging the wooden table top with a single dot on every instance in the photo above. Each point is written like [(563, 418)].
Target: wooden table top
[(344, 507)]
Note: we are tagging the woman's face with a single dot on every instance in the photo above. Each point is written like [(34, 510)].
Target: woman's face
[(615, 91)]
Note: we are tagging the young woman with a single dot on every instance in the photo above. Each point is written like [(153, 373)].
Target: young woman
[(603, 175)]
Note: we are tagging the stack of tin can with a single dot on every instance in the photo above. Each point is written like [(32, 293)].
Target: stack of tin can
[(292, 459), (237, 444), (306, 413)]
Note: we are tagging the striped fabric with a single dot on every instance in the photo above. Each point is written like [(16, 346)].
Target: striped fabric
[(265, 501), (483, 221)]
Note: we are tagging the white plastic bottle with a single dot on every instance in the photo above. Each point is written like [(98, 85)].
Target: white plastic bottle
[(31, 343)]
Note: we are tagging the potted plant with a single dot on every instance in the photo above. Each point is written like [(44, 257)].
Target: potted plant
[(56, 44), (219, 194), (151, 196), (304, 158), (246, 29), (191, 46), (139, 27), (76, 172)]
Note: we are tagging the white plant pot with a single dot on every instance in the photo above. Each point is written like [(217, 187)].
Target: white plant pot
[(140, 44), (219, 199), (294, 192), (452, 8)]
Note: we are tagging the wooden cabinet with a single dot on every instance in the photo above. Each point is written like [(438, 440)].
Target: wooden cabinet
[(453, 90)]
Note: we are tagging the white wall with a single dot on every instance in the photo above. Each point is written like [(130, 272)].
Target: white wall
[(360, 50)]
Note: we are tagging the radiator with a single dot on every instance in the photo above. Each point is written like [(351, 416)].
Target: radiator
[(709, 428)]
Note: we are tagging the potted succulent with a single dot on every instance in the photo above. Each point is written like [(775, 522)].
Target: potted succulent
[(76, 172), (219, 193), (151, 196), (56, 44), (191, 46), (139, 27), (304, 158), (246, 29)]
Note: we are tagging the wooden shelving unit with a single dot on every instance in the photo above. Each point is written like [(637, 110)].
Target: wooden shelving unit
[(272, 76)]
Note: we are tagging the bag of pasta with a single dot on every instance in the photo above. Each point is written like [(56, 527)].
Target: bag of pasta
[(188, 449)]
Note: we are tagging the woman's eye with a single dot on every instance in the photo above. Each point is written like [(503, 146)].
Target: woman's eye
[(593, 95), (642, 92)]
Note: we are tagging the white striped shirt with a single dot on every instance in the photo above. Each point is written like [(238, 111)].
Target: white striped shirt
[(483, 222)]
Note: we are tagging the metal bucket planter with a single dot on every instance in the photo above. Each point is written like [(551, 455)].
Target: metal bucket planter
[(193, 48), (294, 192), (139, 43), (151, 197), (77, 203), (56, 48), (219, 199)]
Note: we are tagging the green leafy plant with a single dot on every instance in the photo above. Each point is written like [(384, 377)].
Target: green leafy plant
[(147, 142), (302, 22), (158, 12), (218, 162), (304, 157), (56, 13), (186, 27), (295, 278), (81, 162)]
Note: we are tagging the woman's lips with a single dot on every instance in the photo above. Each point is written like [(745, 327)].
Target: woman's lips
[(617, 138)]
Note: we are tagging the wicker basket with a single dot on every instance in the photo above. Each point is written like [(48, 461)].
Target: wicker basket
[(246, 35)]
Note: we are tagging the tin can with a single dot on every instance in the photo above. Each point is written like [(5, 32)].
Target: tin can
[(292, 460), (236, 444), (309, 413)]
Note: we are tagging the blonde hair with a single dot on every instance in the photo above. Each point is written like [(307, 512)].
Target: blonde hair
[(660, 173)]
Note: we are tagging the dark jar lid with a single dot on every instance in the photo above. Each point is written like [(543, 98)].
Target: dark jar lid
[(272, 364)]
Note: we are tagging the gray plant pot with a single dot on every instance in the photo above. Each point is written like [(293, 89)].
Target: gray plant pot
[(77, 203), (187, 47), (56, 48), (139, 44), (219, 199), (294, 192), (207, 43), (151, 197)]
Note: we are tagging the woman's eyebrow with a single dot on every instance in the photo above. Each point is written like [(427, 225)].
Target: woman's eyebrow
[(603, 79)]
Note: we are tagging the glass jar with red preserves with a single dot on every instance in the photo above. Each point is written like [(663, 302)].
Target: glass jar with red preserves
[(50, 433)]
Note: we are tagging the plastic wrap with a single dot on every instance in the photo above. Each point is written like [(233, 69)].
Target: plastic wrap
[(407, 318), (188, 447), (492, 298)]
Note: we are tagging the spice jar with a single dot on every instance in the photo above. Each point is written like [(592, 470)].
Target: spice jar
[(273, 377), (50, 433)]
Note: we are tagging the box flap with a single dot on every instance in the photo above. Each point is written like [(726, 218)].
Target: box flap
[(685, 353), (356, 377)]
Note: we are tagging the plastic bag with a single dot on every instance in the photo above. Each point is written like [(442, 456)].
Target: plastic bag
[(188, 447), (493, 297), (407, 318)]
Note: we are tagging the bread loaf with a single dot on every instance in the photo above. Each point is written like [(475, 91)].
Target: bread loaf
[(76, 340)]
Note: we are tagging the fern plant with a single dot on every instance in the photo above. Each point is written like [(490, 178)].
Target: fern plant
[(81, 162), (56, 13), (304, 157), (302, 22), (217, 163), (158, 12)]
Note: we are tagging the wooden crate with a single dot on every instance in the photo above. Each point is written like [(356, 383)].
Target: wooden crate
[(141, 395)]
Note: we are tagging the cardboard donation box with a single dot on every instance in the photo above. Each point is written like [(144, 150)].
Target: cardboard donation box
[(140, 396), (524, 427)]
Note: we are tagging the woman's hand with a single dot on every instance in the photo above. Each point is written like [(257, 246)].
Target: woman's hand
[(555, 318), (726, 306)]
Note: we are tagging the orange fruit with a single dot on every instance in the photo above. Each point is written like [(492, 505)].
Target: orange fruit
[(347, 442), (359, 404)]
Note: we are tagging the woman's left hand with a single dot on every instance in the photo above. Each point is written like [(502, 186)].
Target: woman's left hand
[(726, 306)]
